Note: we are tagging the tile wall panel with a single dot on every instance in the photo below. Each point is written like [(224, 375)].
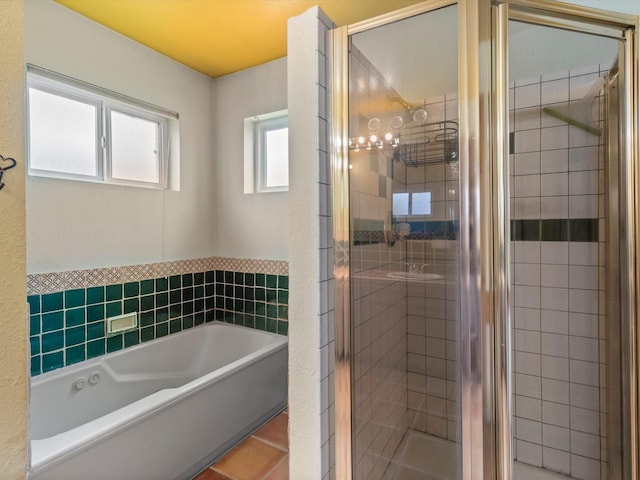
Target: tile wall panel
[(69, 325), (557, 210)]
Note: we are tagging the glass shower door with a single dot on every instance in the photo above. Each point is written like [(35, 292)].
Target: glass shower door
[(567, 194), (403, 161)]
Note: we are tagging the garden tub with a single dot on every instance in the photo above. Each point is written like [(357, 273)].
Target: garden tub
[(164, 409)]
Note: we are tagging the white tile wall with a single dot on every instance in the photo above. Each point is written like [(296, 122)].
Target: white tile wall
[(386, 339), (557, 285)]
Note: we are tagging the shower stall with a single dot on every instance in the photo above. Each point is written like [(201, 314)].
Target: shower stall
[(485, 225)]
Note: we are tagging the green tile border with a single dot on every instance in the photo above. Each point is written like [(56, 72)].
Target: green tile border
[(67, 327)]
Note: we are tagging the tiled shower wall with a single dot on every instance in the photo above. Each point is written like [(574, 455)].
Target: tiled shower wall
[(379, 302), (68, 310), (432, 307), (557, 207)]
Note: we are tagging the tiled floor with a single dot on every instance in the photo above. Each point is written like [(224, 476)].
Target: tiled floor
[(262, 456)]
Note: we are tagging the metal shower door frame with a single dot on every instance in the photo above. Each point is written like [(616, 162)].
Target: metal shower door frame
[(624, 28), (485, 345)]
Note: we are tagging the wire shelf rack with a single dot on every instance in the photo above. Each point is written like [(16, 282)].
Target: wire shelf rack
[(428, 143)]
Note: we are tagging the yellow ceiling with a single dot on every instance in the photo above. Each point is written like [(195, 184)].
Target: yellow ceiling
[(218, 37)]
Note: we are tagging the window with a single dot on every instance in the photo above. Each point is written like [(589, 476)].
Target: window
[(417, 203), (82, 132), (267, 153)]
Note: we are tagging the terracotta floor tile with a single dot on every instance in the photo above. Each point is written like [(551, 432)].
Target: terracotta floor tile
[(211, 475), (250, 460), (276, 432), (281, 471)]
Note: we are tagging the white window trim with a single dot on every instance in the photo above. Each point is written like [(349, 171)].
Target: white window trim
[(105, 101), (255, 129)]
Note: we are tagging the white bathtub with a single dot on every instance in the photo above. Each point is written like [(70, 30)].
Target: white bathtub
[(161, 410)]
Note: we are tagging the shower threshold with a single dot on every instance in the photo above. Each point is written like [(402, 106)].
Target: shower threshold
[(425, 457)]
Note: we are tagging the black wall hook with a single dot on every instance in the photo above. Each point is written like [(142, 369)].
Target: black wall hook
[(5, 164)]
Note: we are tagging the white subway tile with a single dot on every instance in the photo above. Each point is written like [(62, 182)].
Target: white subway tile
[(554, 276), (581, 138), (554, 138), (584, 396), (527, 96), (583, 277), (526, 119), (585, 468), (554, 207), (526, 274), (528, 363), (527, 318), (556, 460), (416, 363), (527, 407), (526, 208), (583, 158), (555, 414), (554, 253), (554, 161), (527, 252), (526, 186), (554, 298), (528, 430), (416, 344), (583, 420), (527, 141), (554, 344), (583, 301), (556, 437), (529, 453), (555, 390), (583, 182), (555, 367), (554, 184), (585, 444), (527, 297), (583, 253), (555, 91), (527, 341), (528, 385), (583, 206), (415, 325), (582, 348), (583, 325)]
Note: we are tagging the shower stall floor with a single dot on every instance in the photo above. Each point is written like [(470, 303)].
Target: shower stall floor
[(425, 457)]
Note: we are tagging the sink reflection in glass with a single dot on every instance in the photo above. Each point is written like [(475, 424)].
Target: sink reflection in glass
[(414, 276)]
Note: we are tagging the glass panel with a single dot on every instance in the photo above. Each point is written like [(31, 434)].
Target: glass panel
[(62, 134), (404, 248), (277, 157), (134, 148), (560, 205)]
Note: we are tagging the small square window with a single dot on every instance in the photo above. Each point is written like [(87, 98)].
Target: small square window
[(267, 153)]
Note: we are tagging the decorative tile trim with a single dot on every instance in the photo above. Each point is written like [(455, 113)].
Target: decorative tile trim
[(41, 283)]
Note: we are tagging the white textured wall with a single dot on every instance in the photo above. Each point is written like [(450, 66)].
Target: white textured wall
[(311, 337), (13, 325), (75, 225), (253, 225)]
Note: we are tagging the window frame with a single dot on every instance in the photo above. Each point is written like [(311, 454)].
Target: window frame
[(256, 129), (104, 102)]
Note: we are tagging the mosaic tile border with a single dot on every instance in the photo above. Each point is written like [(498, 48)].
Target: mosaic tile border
[(42, 283)]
